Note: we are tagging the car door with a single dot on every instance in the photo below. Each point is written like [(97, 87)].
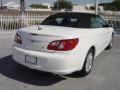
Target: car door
[(107, 30), (102, 33)]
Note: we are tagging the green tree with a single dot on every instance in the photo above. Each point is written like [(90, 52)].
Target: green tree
[(92, 8), (113, 6), (63, 4), (37, 6), (116, 3)]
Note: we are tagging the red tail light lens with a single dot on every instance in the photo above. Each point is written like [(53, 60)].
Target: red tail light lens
[(18, 39), (63, 45)]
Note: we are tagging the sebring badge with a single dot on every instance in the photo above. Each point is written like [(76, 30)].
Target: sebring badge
[(39, 28)]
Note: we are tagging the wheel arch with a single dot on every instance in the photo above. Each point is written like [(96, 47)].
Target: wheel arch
[(94, 49)]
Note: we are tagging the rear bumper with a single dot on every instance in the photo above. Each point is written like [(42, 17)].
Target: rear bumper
[(49, 62)]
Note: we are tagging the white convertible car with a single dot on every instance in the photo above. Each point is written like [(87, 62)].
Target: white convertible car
[(64, 43)]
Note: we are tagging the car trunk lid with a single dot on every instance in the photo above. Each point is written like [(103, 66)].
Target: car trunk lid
[(38, 40)]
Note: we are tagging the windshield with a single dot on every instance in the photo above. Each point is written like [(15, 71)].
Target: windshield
[(76, 20)]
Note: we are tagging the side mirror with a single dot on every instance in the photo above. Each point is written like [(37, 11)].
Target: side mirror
[(108, 25)]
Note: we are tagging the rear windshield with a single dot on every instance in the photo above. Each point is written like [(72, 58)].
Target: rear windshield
[(75, 20)]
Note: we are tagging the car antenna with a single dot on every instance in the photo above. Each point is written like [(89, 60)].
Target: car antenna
[(38, 25)]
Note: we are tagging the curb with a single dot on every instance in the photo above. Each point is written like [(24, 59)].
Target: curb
[(117, 35), (7, 33)]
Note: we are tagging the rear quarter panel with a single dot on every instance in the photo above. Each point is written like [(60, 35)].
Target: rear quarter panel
[(94, 37)]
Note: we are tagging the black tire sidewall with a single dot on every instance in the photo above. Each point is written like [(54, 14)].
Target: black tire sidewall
[(84, 66)]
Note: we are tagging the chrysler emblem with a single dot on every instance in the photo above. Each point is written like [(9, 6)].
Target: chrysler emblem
[(32, 41), (35, 41)]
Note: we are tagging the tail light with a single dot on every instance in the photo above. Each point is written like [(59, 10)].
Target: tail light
[(18, 39), (63, 45)]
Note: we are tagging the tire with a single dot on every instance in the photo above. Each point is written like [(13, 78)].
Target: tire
[(88, 64), (110, 45)]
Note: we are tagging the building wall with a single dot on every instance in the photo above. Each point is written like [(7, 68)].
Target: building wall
[(79, 8)]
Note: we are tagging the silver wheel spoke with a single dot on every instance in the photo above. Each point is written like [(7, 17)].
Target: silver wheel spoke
[(89, 62)]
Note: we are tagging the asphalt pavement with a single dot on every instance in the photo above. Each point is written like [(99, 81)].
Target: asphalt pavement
[(105, 74)]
